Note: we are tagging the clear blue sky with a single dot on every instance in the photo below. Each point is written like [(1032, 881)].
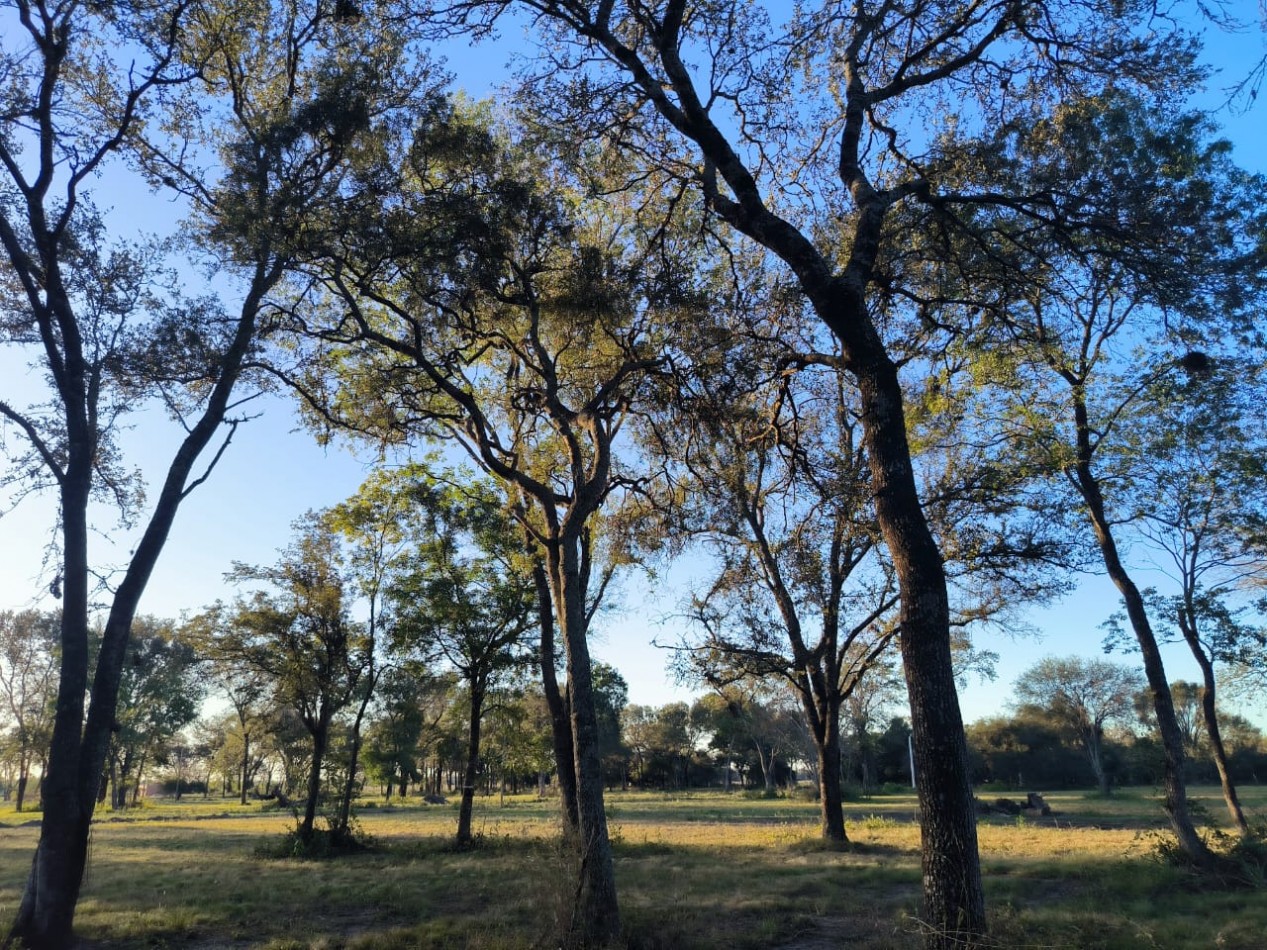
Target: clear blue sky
[(274, 473)]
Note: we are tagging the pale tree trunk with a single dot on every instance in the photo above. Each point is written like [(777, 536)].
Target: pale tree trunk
[(1094, 744)]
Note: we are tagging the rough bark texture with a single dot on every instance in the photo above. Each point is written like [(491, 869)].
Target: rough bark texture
[(830, 798), (560, 718), (595, 914)]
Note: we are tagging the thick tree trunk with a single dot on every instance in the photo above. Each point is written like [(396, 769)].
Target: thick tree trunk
[(954, 900), (829, 795), (77, 752), (474, 722), (45, 918), (596, 915), (560, 717)]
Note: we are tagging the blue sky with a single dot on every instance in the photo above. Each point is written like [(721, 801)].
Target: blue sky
[(274, 473)]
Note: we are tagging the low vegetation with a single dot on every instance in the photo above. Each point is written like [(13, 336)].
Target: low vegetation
[(698, 869)]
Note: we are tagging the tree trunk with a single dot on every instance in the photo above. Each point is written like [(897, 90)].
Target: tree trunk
[(954, 899), (344, 825), (21, 791), (1210, 715), (475, 718), (320, 738), (830, 799), (1097, 763), (556, 702), (1154, 670), (246, 763), (596, 915), (46, 915)]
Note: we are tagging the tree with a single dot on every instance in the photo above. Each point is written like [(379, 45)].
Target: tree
[(28, 684), (85, 84), (301, 636), (1196, 475), (1079, 338), (159, 695), (245, 687), (488, 304), (466, 598), (395, 731), (805, 140), (1084, 696), (803, 592)]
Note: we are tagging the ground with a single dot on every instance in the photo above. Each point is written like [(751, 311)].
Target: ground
[(695, 870)]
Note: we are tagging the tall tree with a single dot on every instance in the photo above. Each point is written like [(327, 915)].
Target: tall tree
[(245, 687), (1079, 337), (804, 139), (804, 591), (486, 304), (1196, 472), (84, 84), (466, 598), (28, 685), (1084, 696), (300, 634)]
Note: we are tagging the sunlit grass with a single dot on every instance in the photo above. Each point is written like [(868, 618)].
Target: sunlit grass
[(696, 870)]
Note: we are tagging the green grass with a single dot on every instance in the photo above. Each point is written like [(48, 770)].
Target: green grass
[(698, 870)]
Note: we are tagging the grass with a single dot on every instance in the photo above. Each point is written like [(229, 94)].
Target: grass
[(698, 870)]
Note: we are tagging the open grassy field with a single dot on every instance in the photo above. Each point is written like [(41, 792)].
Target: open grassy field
[(701, 869)]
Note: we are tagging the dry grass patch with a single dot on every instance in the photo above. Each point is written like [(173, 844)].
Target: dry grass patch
[(702, 871)]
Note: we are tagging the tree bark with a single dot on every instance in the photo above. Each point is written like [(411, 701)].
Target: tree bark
[(830, 799), (320, 738), (596, 915), (246, 762), (1209, 714), (560, 717), (1154, 670), (474, 724)]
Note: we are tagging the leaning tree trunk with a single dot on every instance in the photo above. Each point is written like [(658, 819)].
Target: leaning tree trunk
[(1210, 716), (77, 751), (1154, 670), (343, 827)]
